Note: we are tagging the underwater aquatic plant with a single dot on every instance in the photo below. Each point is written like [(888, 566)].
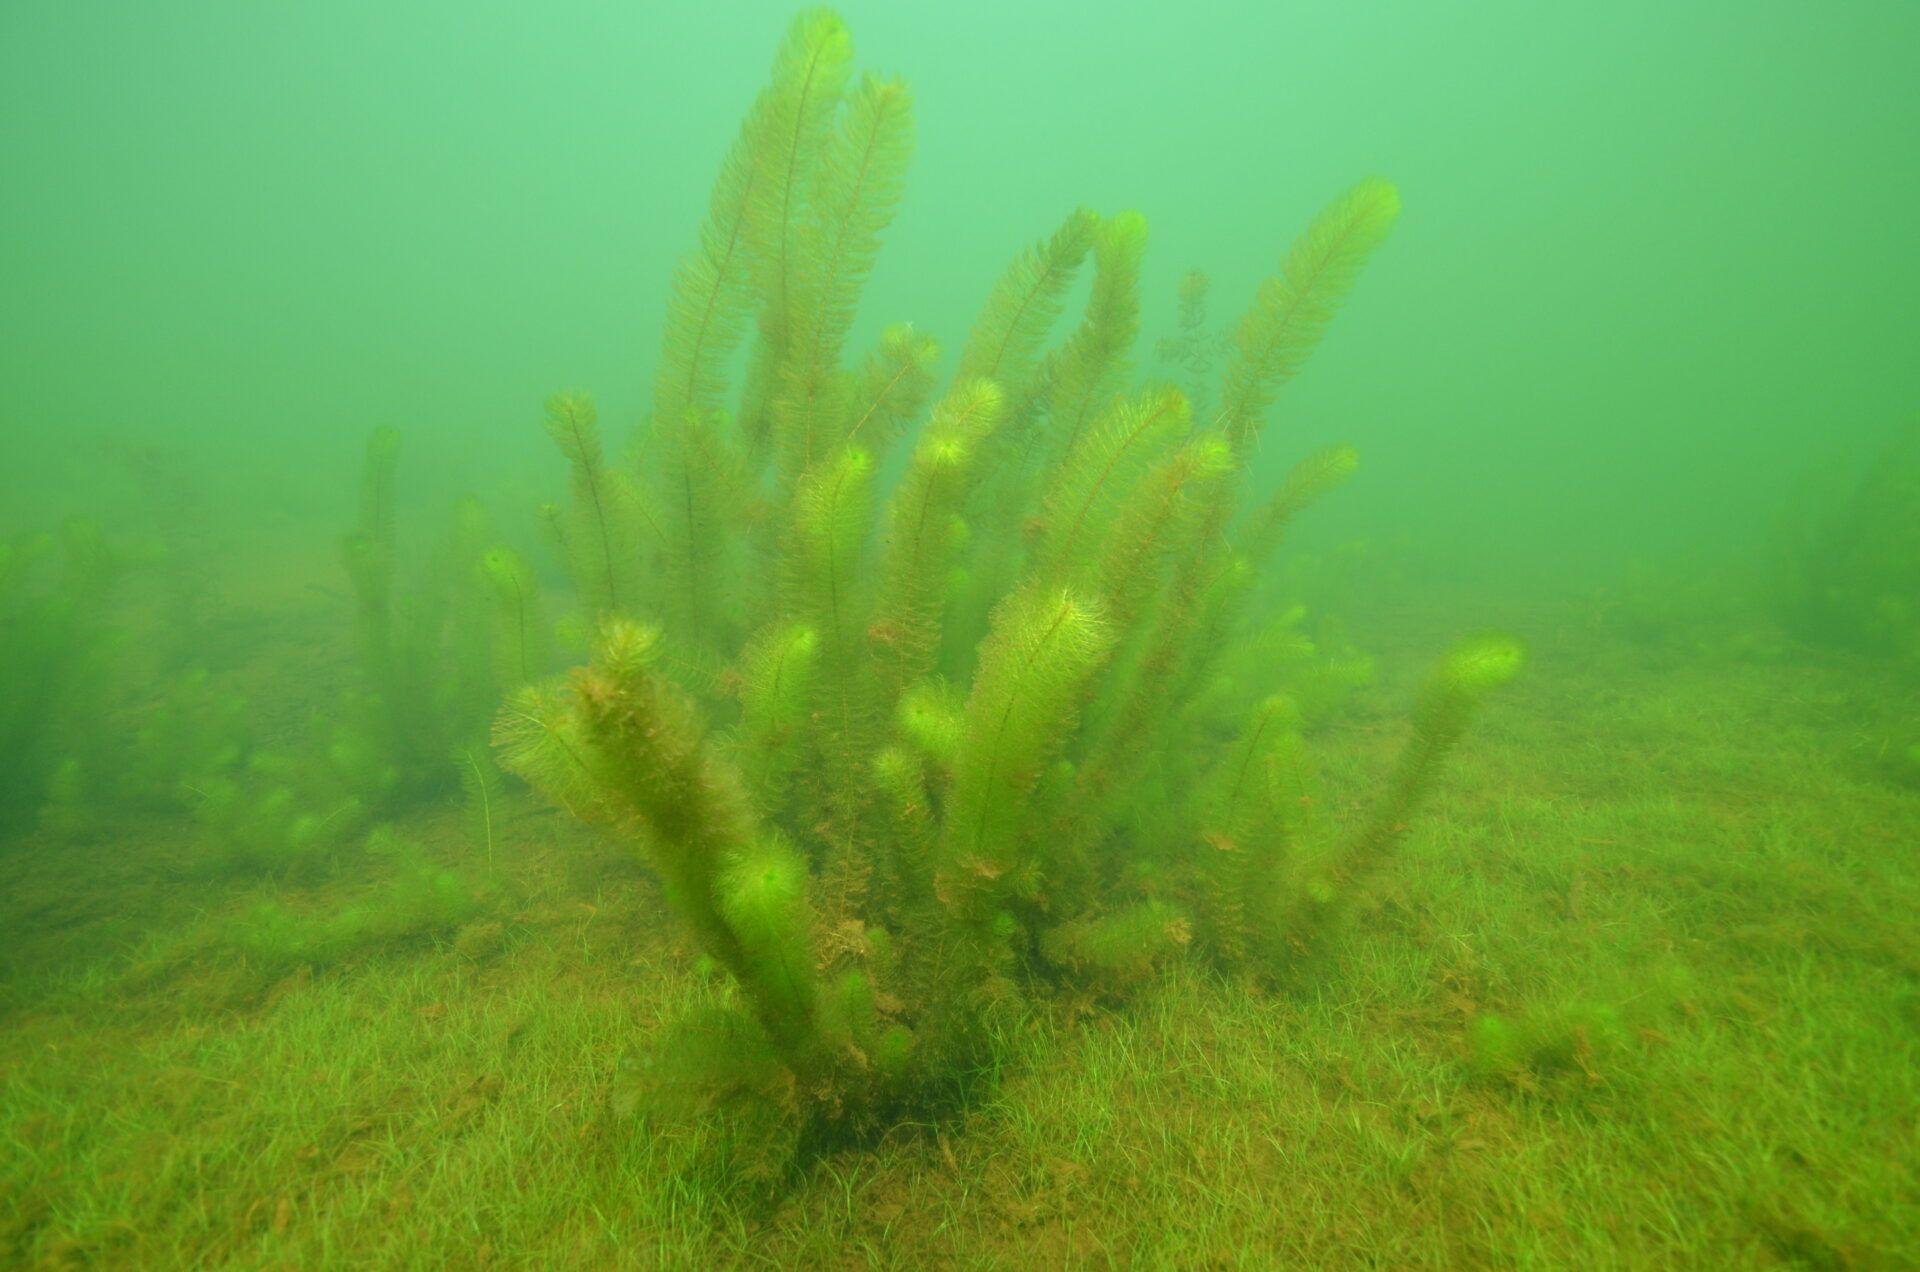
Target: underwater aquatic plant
[(420, 900), (1194, 348), (437, 645), (436, 653), (1857, 581), (54, 640), (90, 737), (907, 755)]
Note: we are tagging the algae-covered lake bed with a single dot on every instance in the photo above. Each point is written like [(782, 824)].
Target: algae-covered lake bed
[(1696, 857), (1010, 636)]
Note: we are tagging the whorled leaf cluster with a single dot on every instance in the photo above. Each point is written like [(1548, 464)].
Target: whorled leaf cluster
[(913, 738)]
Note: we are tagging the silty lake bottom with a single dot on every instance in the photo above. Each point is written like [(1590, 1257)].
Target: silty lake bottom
[(844, 640)]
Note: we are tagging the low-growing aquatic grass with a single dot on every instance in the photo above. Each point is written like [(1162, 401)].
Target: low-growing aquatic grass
[(1670, 882)]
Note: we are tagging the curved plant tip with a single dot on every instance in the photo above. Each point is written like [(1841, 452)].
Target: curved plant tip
[(1480, 664)]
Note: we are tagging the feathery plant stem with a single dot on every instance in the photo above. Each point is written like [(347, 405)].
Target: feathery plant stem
[(906, 757)]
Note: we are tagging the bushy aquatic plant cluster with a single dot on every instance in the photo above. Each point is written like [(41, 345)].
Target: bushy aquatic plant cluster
[(1577, 1039), (101, 717), (419, 900), (1195, 349), (55, 641), (437, 639), (104, 717), (917, 725), (1856, 582), (108, 713), (88, 739), (396, 896)]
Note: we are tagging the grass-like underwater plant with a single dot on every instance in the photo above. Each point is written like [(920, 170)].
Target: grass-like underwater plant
[(909, 754)]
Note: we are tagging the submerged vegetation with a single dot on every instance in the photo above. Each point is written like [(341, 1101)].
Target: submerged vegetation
[(432, 657), (1856, 581), (53, 598), (1639, 991), (913, 805), (1853, 585), (906, 754)]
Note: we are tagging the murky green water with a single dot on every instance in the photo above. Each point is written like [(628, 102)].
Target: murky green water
[(991, 746)]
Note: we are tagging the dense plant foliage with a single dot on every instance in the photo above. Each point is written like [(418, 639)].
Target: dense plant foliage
[(54, 636), (1856, 581), (906, 753)]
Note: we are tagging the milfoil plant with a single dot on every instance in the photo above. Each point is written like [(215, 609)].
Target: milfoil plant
[(927, 701)]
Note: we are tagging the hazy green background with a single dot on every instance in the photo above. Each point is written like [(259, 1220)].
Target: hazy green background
[(1655, 257)]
